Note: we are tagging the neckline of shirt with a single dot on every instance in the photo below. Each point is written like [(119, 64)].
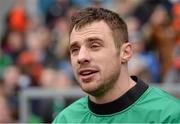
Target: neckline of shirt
[(123, 102)]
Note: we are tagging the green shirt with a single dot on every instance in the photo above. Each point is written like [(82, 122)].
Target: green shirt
[(141, 104)]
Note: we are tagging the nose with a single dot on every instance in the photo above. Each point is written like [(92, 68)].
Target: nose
[(83, 56)]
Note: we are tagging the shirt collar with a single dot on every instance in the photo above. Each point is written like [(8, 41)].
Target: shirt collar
[(122, 102)]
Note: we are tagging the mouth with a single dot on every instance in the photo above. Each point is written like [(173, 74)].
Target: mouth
[(86, 75)]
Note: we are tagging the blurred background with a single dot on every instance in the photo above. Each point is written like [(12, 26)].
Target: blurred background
[(36, 78)]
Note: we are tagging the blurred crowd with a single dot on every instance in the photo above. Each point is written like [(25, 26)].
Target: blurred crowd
[(34, 45)]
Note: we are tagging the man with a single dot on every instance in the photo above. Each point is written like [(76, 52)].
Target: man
[(100, 51)]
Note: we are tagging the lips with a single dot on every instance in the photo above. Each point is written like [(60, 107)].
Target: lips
[(87, 74)]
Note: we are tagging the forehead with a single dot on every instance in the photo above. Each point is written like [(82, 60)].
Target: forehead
[(96, 29)]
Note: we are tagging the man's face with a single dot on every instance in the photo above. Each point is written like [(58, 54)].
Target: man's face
[(95, 59)]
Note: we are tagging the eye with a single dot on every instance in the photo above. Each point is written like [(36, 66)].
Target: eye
[(74, 50), (94, 45)]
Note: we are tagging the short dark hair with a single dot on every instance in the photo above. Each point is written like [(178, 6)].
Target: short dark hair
[(113, 20)]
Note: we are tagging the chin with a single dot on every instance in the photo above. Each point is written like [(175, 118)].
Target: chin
[(93, 90), (95, 93), (89, 88)]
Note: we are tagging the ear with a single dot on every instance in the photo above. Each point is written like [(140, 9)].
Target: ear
[(126, 52)]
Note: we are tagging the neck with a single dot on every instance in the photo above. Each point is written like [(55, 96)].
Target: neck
[(122, 85)]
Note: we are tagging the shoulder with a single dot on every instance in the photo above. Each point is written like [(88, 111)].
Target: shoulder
[(157, 92), (72, 111), (168, 106), (158, 96)]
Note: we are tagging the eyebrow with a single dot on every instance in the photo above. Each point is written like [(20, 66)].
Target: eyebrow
[(90, 39), (75, 43)]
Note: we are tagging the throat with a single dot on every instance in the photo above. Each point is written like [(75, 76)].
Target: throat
[(119, 104), (106, 97), (113, 93)]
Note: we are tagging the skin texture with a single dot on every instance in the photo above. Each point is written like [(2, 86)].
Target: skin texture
[(99, 67)]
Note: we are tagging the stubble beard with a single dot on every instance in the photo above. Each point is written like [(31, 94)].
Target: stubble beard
[(103, 85)]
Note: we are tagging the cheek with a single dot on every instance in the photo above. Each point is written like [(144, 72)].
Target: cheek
[(112, 63), (74, 65), (112, 66), (72, 61)]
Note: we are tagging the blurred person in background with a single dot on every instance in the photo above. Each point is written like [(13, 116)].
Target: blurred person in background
[(58, 8), (11, 78), (62, 52), (62, 80), (143, 63), (95, 3), (144, 9), (53, 78), (173, 75), (99, 51), (48, 42), (17, 18), (137, 65), (36, 55), (176, 20), (12, 41), (61, 28), (43, 108), (126, 8), (161, 37), (5, 108), (5, 61), (13, 44), (11, 88), (50, 79)]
